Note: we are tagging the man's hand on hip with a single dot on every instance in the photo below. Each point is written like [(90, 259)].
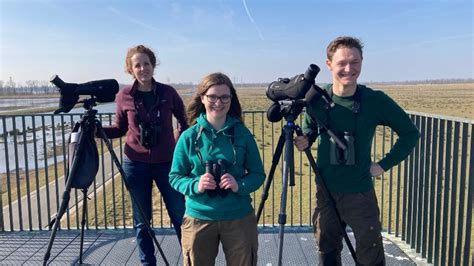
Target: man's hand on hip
[(376, 169)]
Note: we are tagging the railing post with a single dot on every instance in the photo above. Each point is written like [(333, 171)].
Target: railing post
[(434, 176), (426, 184), (439, 191), (447, 176), (469, 205), (462, 192), (454, 185), (7, 168)]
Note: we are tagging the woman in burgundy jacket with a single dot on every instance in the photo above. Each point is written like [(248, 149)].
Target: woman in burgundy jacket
[(145, 111)]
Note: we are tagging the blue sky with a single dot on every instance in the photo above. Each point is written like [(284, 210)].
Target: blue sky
[(249, 40)]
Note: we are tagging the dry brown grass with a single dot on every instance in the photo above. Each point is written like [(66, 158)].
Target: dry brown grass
[(455, 100), (442, 99)]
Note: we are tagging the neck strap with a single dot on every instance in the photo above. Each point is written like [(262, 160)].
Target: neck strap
[(357, 99), (198, 150), (355, 108), (154, 114)]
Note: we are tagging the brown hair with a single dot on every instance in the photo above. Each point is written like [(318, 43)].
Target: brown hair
[(343, 41), (139, 49), (196, 107)]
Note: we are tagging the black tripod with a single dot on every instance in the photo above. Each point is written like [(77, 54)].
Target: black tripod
[(89, 124), (286, 139)]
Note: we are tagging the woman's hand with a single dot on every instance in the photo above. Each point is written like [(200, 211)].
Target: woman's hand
[(228, 182), (176, 134), (206, 182)]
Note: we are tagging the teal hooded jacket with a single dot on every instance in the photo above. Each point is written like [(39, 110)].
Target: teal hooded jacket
[(233, 143)]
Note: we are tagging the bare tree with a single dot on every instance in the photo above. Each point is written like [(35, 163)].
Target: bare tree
[(11, 86), (31, 85)]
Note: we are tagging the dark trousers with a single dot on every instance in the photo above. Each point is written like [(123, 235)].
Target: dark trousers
[(140, 177), (358, 210)]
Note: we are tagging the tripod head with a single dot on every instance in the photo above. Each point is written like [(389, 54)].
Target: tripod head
[(288, 109), (89, 103)]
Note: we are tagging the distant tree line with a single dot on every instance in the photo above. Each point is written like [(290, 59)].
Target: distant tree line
[(31, 87), (407, 82), (428, 81), (38, 87), (238, 85)]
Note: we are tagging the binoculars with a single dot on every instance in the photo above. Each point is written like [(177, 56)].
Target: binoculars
[(217, 169), (149, 134), (339, 156)]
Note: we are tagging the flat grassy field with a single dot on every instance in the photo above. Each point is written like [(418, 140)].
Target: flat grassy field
[(441, 99)]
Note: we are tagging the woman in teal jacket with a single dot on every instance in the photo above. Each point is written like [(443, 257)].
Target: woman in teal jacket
[(216, 165)]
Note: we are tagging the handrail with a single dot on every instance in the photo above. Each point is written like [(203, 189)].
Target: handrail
[(426, 200)]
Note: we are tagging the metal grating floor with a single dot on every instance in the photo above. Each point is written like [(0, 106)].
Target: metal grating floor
[(117, 247)]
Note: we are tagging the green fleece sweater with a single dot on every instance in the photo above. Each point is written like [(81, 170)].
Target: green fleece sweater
[(244, 163), (376, 108)]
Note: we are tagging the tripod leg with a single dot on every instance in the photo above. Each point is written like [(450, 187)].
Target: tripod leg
[(83, 222), (289, 149), (57, 221), (282, 215), (140, 208), (275, 160), (66, 196), (324, 189), (288, 161)]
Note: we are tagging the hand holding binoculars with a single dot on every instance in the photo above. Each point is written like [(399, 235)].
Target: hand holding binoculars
[(217, 169)]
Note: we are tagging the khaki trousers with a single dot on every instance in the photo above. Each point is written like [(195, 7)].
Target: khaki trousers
[(200, 241), (358, 210)]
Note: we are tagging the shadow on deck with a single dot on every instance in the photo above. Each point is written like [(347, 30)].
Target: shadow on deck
[(117, 247)]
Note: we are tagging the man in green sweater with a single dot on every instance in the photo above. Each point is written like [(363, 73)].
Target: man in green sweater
[(348, 172)]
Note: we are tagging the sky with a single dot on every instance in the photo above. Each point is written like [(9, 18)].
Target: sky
[(249, 40)]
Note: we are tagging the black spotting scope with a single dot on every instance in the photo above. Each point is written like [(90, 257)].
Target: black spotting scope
[(287, 93), (102, 91)]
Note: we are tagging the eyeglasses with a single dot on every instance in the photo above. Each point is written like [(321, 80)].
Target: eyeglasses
[(213, 98)]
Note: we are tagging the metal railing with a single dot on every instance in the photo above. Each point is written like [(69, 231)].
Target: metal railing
[(426, 200)]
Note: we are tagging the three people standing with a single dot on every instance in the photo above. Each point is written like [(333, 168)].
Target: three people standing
[(216, 162)]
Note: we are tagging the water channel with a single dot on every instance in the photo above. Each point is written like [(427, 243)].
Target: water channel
[(32, 139)]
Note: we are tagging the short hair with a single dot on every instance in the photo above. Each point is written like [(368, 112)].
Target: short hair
[(343, 41), (139, 49)]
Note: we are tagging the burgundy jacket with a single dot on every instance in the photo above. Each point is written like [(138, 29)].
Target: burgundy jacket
[(168, 103)]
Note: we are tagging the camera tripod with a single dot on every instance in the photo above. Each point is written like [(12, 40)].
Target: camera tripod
[(89, 124), (286, 140)]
